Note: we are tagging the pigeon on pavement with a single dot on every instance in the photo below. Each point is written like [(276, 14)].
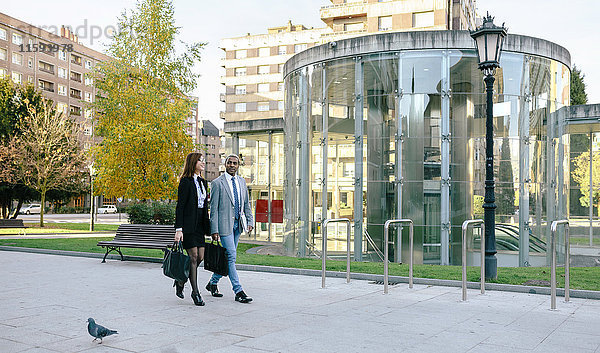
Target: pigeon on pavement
[(98, 331)]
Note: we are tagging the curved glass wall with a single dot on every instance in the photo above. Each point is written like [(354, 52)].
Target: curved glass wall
[(402, 135)]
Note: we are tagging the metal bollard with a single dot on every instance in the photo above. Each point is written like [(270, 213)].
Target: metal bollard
[(553, 227), (324, 254), (386, 236), (466, 225)]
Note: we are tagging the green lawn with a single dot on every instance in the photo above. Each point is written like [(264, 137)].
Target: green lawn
[(581, 277), (59, 228)]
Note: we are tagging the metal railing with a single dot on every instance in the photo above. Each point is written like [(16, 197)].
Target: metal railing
[(465, 226), (324, 250), (386, 235), (555, 224)]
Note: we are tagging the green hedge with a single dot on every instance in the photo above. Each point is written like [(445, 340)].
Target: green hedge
[(157, 212)]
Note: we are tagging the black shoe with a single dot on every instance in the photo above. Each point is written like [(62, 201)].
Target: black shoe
[(197, 299), (214, 291), (178, 289), (242, 297)]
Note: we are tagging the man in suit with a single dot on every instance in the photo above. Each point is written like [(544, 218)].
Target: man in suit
[(230, 215)]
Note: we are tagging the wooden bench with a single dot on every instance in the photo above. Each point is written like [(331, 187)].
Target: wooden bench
[(11, 223), (140, 236)]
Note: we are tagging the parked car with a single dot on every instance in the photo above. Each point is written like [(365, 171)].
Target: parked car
[(107, 209), (31, 208)]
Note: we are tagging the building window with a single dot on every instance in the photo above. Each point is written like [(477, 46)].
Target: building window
[(45, 67), (3, 54), (30, 42), (240, 107), (263, 87), (385, 23), (88, 64), (282, 50), (2, 34), (2, 73), (241, 89), (423, 19), (264, 51), (87, 131), (351, 27), (75, 93), (280, 68), (241, 54), (30, 63), (279, 105), (75, 59), (263, 106), (17, 59), (89, 81), (264, 69), (240, 71), (17, 77), (30, 80), (62, 72), (88, 113), (17, 39), (88, 97), (62, 107), (300, 47), (62, 90), (62, 55), (46, 86), (75, 76), (75, 110)]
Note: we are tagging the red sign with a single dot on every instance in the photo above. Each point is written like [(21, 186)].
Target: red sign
[(262, 211)]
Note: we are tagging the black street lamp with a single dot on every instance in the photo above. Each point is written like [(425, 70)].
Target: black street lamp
[(488, 40)]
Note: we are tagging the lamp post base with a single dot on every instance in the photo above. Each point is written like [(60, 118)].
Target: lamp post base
[(491, 267)]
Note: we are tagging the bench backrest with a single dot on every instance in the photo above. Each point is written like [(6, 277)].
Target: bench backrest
[(152, 233), (11, 223)]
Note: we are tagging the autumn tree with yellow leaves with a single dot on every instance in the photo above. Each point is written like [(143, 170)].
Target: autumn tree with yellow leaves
[(142, 106)]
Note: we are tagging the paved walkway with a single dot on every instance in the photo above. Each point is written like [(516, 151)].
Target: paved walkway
[(45, 301)]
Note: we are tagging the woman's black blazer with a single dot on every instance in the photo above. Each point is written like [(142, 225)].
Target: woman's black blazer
[(187, 205)]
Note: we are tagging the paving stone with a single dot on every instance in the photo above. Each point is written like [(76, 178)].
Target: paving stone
[(290, 313)]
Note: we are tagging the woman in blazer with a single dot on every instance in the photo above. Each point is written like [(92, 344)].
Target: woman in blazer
[(191, 219)]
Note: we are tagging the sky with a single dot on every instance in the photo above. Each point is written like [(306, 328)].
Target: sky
[(573, 25)]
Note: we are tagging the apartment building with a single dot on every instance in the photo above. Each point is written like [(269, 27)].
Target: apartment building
[(210, 139), (56, 64), (359, 17), (253, 63), (254, 70), (254, 88), (191, 122)]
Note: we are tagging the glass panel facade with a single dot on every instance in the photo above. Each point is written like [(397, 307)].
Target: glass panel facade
[(420, 135)]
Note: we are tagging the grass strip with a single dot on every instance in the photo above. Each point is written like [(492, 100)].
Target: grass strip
[(586, 278), (34, 228)]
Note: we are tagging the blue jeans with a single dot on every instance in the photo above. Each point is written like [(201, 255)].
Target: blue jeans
[(230, 243)]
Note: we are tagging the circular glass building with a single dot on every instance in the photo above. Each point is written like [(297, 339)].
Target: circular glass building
[(392, 126)]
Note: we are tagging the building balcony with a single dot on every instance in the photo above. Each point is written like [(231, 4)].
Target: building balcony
[(345, 10), (50, 71), (222, 97)]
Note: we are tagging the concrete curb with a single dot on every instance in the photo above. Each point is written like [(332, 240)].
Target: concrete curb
[(574, 293)]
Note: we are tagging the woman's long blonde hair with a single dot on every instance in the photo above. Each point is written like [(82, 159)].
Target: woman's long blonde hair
[(189, 167)]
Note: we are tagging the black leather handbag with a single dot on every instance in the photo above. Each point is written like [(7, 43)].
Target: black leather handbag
[(215, 259), (176, 264)]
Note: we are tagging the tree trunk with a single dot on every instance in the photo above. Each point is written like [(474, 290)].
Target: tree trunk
[(18, 209), (43, 193)]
